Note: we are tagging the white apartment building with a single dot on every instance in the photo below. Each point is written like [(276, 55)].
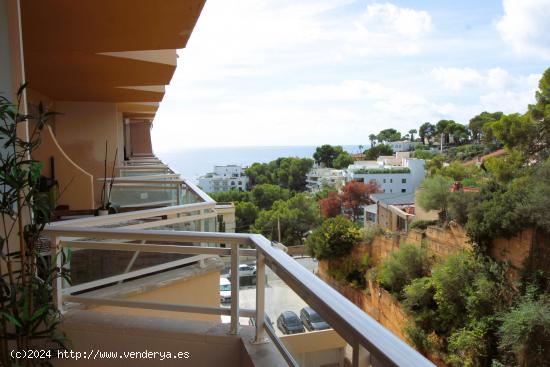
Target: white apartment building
[(402, 145), (391, 178), (318, 177), (224, 178)]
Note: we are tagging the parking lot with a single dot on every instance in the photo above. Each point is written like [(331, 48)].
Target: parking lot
[(278, 296)]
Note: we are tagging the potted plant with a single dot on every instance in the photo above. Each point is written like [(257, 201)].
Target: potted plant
[(29, 318)]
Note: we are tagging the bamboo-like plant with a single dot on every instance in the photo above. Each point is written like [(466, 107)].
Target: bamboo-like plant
[(29, 319)]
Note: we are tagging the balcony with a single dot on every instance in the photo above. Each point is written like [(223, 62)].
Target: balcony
[(170, 301)]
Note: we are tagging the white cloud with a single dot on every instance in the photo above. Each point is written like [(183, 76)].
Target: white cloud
[(456, 78), (495, 79), (388, 18), (497, 89), (386, 29), (526, 26), (299, 72)]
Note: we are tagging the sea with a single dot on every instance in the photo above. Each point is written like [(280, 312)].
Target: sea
[(195, 162)]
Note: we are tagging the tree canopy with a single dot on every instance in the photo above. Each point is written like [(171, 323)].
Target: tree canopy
[(356, 194), (435, 195), (332, 156), (245, 215), (426, 131), (343, 160), (388, 135), (335, 238), (265, 195), (331, 206), (295, 216), (478, 122), (326, 154), (289, 173), (376, 151)]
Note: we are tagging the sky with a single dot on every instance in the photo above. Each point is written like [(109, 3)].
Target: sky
[(312, 72)]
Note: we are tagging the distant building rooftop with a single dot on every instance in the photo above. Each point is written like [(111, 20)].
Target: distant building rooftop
[(393, 198)]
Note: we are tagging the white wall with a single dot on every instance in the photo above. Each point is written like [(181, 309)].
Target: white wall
[(224, 178), (393, 182)]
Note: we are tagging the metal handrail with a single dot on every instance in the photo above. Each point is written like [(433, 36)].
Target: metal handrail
[(352, 323)]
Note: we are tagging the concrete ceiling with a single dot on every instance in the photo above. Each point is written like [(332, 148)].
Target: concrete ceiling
[(121, 51)]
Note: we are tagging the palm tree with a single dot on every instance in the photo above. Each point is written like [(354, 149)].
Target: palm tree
[(412, 132)]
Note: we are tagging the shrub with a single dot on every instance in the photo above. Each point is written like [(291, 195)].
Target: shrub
[(334, 238), (460, 204), (467, 346), (372, 232), (419, 302), (467, 151), (402, 267), (525, 331), (357, 269), (424, 154), (422, 224), (371, 171), (458, 304)]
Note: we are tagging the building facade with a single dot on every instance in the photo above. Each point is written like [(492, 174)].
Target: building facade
[(402, 145), (402, 178), (319, 177), (224, 178), (393, 212)]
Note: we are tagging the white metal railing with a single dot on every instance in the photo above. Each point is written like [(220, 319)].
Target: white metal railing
[(356, 327), (150, 174)]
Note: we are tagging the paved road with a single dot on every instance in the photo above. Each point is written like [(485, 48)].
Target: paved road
[(278, 296)]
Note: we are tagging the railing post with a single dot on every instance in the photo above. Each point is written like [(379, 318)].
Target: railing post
[(234, 328), (56, 254), (178, 193), (261, 335), (361, 357)]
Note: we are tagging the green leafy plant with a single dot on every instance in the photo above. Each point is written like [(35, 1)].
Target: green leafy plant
[(28, 316), (457, 305), (435, 195), (525, 330), (335, 238), (371, 233), (373, 171), (402, 267), (422, 224)]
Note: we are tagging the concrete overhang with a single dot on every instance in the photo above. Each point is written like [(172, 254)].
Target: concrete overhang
[(78, 76), (108, 26), (121, 51)]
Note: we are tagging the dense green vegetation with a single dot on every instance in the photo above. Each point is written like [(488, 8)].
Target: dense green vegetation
[(465, 309), (382, 170), (334, 238), (332, 156), (455, 309), (294, 217), (376, 151), (289, 173), (401, 267)]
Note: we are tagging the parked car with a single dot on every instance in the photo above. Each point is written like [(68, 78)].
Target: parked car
[(246, 270), (225, 290), (311, 319), (289, 323)]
